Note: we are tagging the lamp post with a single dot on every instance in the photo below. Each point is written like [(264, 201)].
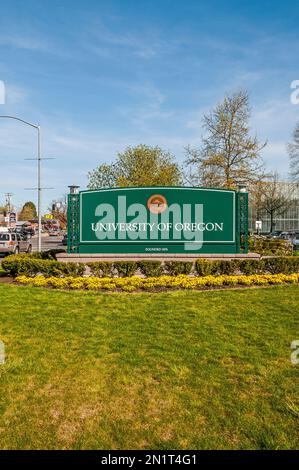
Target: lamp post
[(39, 189), (242, 187), (74, 189)]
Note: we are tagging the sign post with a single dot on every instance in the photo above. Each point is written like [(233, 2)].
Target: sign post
[(258, 226), (12, 219)]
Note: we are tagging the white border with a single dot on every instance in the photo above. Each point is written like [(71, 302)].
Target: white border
[(145, 242)]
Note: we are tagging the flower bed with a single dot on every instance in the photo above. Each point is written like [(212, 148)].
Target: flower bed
[(130, 284)]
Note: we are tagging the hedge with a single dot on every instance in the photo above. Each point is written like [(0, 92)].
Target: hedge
[(174, 268), (101, 268), (32, 265), (150, 268), (275, 265), (134, 283), (270, 247)]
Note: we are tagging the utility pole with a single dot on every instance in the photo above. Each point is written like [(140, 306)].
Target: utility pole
[(8, 206), (8, 201), (39, 188)]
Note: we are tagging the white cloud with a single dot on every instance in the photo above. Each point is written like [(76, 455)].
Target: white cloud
[(275, 118), (15, 94), (105, 41), (23, 42), (276, 157)]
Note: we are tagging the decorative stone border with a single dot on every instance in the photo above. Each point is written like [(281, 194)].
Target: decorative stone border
[(87, 258)]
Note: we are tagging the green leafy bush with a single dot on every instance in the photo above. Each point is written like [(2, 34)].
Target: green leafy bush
[(150, 268), (174, 268), (269, 246), (225, 267), (51, 254), (70, 269), (15, 265), (33, 264), (271, 265), (205, 267), (250, 266), (125, 268), (282, 265), (101, 268)]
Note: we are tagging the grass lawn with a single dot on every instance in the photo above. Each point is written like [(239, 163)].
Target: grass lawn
[(171, 370)]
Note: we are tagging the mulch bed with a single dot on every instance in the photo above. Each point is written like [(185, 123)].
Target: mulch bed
[(6, 280)]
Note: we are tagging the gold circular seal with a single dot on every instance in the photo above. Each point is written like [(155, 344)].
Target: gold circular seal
[(157, 204)]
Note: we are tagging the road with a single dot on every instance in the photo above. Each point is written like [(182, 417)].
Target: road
[(48, 243)]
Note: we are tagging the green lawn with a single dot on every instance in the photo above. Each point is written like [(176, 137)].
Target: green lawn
[(184, 369)]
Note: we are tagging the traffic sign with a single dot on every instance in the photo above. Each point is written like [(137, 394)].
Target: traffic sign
[(12, 217)]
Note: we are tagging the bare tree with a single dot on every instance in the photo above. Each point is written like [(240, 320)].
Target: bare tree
[(229, 153), (275, 197), (293, 149), (256, 192)]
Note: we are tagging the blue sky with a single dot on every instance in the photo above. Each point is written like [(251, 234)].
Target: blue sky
[(101, 75)]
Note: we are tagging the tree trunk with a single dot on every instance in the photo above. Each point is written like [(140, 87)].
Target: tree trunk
[(271, 221)]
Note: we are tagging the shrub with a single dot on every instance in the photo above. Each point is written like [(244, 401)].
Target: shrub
[(15, 265), (275, 265), (269, 246), (33, 264), (205, 267), (101, 268), (283, 264), (150, 268), (125, 268), (70, 269), (30, 266), (175, 268), (50, 254), (251, 266)]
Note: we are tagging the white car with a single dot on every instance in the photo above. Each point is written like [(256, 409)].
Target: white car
[(14, 243)]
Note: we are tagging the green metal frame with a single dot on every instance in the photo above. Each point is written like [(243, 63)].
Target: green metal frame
[(73, 223), (242, 226)]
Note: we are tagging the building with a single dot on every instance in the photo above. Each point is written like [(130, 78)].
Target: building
[(285, 221)]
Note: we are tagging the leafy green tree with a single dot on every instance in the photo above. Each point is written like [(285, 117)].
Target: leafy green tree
[(228, 154), (104, 176), (28, 211), (137, 166)]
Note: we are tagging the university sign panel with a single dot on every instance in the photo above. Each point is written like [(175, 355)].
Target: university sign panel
[(157, 220)]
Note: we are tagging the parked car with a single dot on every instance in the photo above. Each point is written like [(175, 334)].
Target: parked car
[(13, 243), (284, 236), (275, 234), (54, 233), (295, 241), (288, 234), (30, 231)]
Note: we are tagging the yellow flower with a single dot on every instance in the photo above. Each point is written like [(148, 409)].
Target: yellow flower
[(131, 284)]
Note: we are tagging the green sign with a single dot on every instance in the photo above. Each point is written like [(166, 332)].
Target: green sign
[(155, 220)]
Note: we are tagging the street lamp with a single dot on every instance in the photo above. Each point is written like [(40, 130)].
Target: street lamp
[(39, 189), (74, 189), (242, 187)]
